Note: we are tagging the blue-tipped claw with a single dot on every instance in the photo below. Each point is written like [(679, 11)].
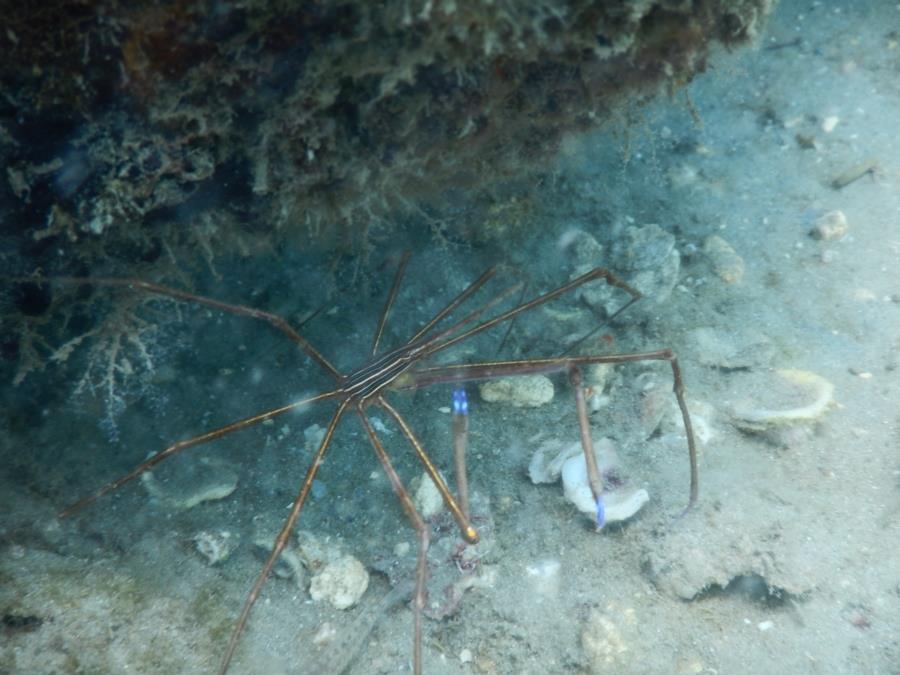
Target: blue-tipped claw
[(460, 402), (601, 514)]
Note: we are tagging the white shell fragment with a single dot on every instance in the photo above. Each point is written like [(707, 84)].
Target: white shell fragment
[(215, 546), (525, 391), (547, 462), (618, 505), (550, 462), (202, 481), (806, 397)]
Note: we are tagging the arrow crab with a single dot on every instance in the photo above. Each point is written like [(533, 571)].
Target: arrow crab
[(405, 367)]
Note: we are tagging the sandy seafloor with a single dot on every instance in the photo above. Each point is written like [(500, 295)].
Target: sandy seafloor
[(788, 564)]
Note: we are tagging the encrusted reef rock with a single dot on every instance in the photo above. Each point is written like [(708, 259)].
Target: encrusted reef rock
[(318, 117)]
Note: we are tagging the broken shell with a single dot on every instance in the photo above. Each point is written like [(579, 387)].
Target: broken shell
[(568, 462), (618, 505), (288, 565), (204, 480), (794, 384), (547, 462)]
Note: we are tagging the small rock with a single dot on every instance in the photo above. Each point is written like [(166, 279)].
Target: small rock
[(642, 248), (656, 283), (603, 641), (525, 391), (649, 255), (690, 560), (730, 349), (832, 225), (726, 263), (215, 546), (341, 583), (426, 498), (585, 251), (645, 257)]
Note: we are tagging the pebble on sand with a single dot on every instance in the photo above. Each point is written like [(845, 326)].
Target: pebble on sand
[(526, 391), (832, 225), (726, 263)]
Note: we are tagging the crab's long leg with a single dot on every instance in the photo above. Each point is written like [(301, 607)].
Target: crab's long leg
[(283, 536), (421, 531), (190, 442), (456, 302), (241, 310), (493, 369), (595, 480), (596, 273), (460, 423), (389, 303), (465, 527)]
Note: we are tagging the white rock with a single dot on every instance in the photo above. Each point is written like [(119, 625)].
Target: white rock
[(341, 582), (525, 391), (832, 225), (426, 498)]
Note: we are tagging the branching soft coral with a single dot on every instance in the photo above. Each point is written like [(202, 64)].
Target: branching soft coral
[(119, 348)]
